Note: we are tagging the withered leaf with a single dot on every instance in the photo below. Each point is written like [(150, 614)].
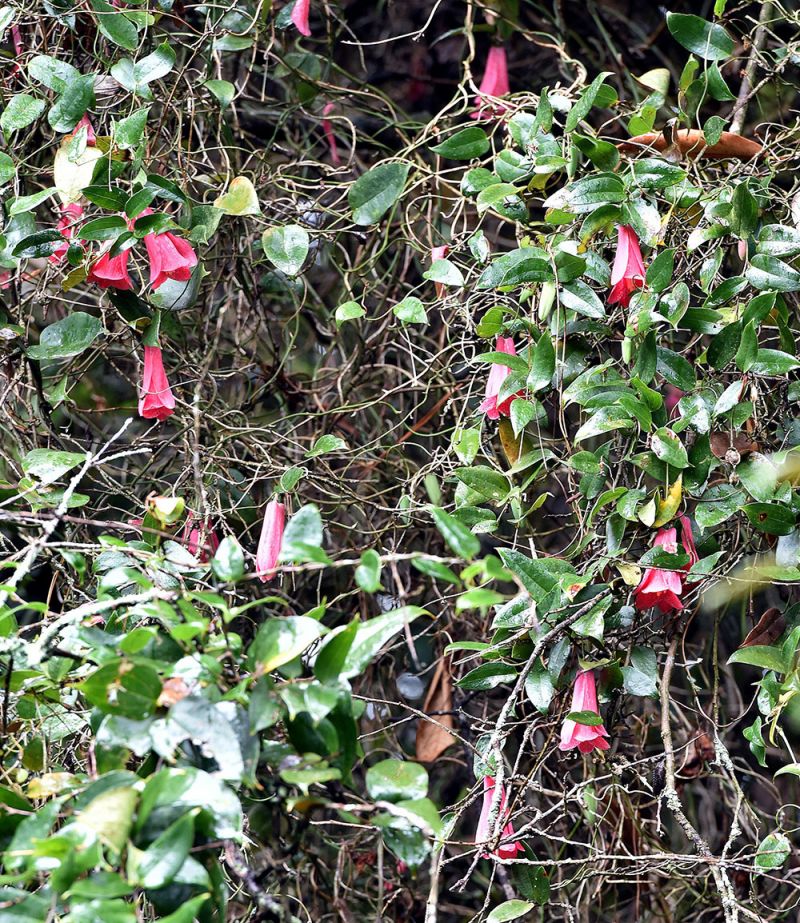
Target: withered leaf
[(722, 443), (767, 630), (433, 739)]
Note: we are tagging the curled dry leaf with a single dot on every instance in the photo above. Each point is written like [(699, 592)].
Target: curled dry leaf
[(767, 630), (434, 739), (741, 443), (692, 144)]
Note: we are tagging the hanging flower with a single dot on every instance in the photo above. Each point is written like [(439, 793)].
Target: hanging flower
[(155, 399), (269, 545), (327, 128), (506, 849), (439, 253), (627, 274), (170, 257), (497, 376), (70, 215), (300, 12), (586, 737), (664, 588), (494, 83), (200, 539), (111, 272)]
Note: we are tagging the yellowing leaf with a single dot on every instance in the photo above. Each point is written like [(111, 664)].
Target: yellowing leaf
[(71, 177), (240, 199), (668, 507)]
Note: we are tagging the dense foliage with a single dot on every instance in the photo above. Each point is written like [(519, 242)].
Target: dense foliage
[(400, 486)]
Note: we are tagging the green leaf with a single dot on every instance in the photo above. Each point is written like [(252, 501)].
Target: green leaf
[(162, 860), (115, 26), (509, 910), (543, 365), (410, 311), (128, 132), (744, 211), (38, 245), (654, 173), (7, 168), (287, 248), (772, 518), (372, 635), (487, 676), (587, 718), (588, 193), (222, 90), (368, 572), (241, 199), (490, 484), (71, 105), (103, 228), (228, 561), (374, 193), (464, 145), (659, 272), (641, 677), (396, 780), (773, 362), (54, 74), (759, 655), (705, 39), (27, 203), (67, 337), (773, 851), (350, 310), (768, 273), (326, 444), (585, 102), (539, 687), (445, 273), (331, 658), (280, 640), (579, 297), (48, 465), (21, 110), (302, 540), (456, 534), (668, 448)]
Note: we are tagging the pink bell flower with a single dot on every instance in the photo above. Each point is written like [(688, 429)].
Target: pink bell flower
[(497, 376), (200, 539), (663, 588), (300, 12), (155, 399), (269, 545), (70, 215), (586, 737), (170, 257), (111, 272), (91, 138), (330, 137), (627, 273), (494, 83), (505, 849)]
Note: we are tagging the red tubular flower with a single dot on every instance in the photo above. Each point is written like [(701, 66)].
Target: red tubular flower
[(300, 12), (70, 215), (505, 849), (439, 253), (663, 588), (200, 539), (327, 128), (497, 376), (111, 272), (269, 545), (494, 83), (627, 274), (585, 737), (155, 399), (170, 257)]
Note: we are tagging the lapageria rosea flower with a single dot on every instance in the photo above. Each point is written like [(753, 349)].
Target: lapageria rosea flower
[(494, 383), (111, 271), (327, 128), (505, 849), (494, 83), (200, 539), (269, 545), (300, 12), (170, 257), (586, 737), (664, 588), (439, 253), (627, 273), (70, 215), (156, 401)]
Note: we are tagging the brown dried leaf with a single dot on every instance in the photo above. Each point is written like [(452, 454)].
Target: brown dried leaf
[(433, 739), (721, 444), (767, 630), (173, 690)]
